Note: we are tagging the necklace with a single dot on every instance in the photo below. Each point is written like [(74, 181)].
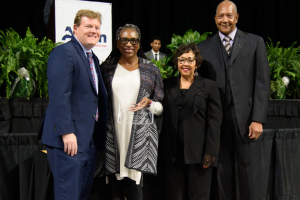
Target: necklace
[(186, 84)]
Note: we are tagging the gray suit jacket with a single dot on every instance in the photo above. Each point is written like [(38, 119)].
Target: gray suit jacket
[(249, 76), (150, 56)]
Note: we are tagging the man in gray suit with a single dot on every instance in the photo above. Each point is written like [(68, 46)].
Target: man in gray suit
[(154, 53), (242, 72)]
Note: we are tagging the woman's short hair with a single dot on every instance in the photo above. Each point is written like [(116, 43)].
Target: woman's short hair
[(87, 13), (185, 48)]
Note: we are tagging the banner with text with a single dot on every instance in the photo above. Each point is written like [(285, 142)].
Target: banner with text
[(65, 11)]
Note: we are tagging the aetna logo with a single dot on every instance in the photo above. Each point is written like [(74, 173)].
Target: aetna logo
[(69, 34)]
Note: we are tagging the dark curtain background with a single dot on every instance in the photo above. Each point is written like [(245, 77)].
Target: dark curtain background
[(276, 19)]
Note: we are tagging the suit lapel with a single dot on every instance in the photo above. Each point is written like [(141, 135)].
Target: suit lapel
[(84, 60), (175, 89), (193, 90), (160, 55), (101, 87), (215, 47), (238, 45), (151, 56), (96, 63)]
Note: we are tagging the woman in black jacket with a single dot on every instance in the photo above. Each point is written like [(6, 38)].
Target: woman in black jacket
[(189, 142)]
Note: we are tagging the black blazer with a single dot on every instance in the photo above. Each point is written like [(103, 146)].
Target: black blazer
[(202, 115), (249, 75)]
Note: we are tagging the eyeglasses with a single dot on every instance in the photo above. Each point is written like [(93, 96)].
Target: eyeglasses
[(182, 60), (133, 41)]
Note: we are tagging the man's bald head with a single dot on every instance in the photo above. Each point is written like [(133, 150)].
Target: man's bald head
[(227, 2), (226, 17)]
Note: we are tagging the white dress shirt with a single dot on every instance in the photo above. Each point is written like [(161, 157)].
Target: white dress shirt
[(154, 54), (231, 35)]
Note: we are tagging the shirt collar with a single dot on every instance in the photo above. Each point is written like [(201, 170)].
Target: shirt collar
[(83, 48), (232, 34), (154, 52)]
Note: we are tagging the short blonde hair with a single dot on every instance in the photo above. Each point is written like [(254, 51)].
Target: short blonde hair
[(87, 13)]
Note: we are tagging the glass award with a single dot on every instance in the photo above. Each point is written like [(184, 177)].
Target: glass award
[(141, 117)]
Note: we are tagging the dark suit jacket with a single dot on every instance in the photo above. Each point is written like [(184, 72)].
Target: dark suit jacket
[(249, 76), (150, 56), (73, 98), (202, 115)]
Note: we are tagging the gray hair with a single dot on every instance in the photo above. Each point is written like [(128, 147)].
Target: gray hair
[(230, 2)]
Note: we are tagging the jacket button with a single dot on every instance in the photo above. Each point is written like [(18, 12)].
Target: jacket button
[(94, 116), (96, 101)]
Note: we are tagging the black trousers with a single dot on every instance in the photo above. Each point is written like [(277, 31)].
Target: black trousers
[(187, 181), (125, 187), (240, 158)]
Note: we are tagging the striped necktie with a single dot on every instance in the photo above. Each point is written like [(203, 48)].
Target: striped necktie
[(90, 57), (227, 43)]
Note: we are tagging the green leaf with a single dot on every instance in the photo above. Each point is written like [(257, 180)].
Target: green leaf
[(24, 52), (2, 57), (188, 37), (284, 62), (197, 37), (177, 73), (204, 36)]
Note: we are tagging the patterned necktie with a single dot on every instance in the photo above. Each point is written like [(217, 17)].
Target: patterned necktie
[(227, 43), (156, 57), (90, 57)]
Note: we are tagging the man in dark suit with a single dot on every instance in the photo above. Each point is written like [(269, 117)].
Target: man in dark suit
[(241, 67), (154, 53), (75, 119)]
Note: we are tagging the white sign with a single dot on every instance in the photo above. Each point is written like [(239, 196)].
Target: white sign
[(65, 11)]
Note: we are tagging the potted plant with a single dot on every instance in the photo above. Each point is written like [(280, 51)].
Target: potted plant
[(188, 37), (165, 70), (23, 64), (284, 71)]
